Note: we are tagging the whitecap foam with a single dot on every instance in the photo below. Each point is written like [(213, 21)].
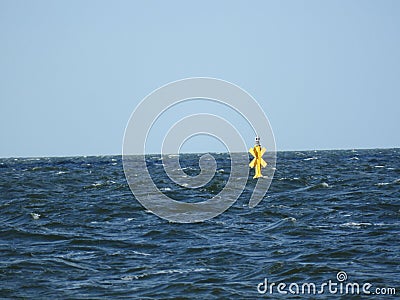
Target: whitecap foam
[(310, 158), (355, 224), (35, 216), (324, 185), (162, 272), (141, 253)]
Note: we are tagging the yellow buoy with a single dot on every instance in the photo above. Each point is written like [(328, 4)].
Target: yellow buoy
[(257, 161)]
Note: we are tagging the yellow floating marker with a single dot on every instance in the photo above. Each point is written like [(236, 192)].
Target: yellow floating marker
[(257, 161)]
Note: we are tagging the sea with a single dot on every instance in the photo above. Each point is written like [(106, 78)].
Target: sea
[(70, 228)]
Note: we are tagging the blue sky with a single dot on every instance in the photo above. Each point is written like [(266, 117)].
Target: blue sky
[(71, 72)]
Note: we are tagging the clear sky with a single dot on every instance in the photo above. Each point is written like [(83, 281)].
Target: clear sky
[(327, 73)]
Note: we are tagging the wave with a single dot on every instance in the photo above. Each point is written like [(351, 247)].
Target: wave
[(162, 272)]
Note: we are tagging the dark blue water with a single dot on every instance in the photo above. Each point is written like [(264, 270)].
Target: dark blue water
[(70, 228)]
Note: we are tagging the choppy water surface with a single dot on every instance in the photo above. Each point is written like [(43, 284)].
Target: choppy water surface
[(71, 228)]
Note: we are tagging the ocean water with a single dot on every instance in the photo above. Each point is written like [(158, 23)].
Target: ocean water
[(70, 228)]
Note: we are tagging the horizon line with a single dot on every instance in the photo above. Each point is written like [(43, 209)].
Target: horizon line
[(216, 152)]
